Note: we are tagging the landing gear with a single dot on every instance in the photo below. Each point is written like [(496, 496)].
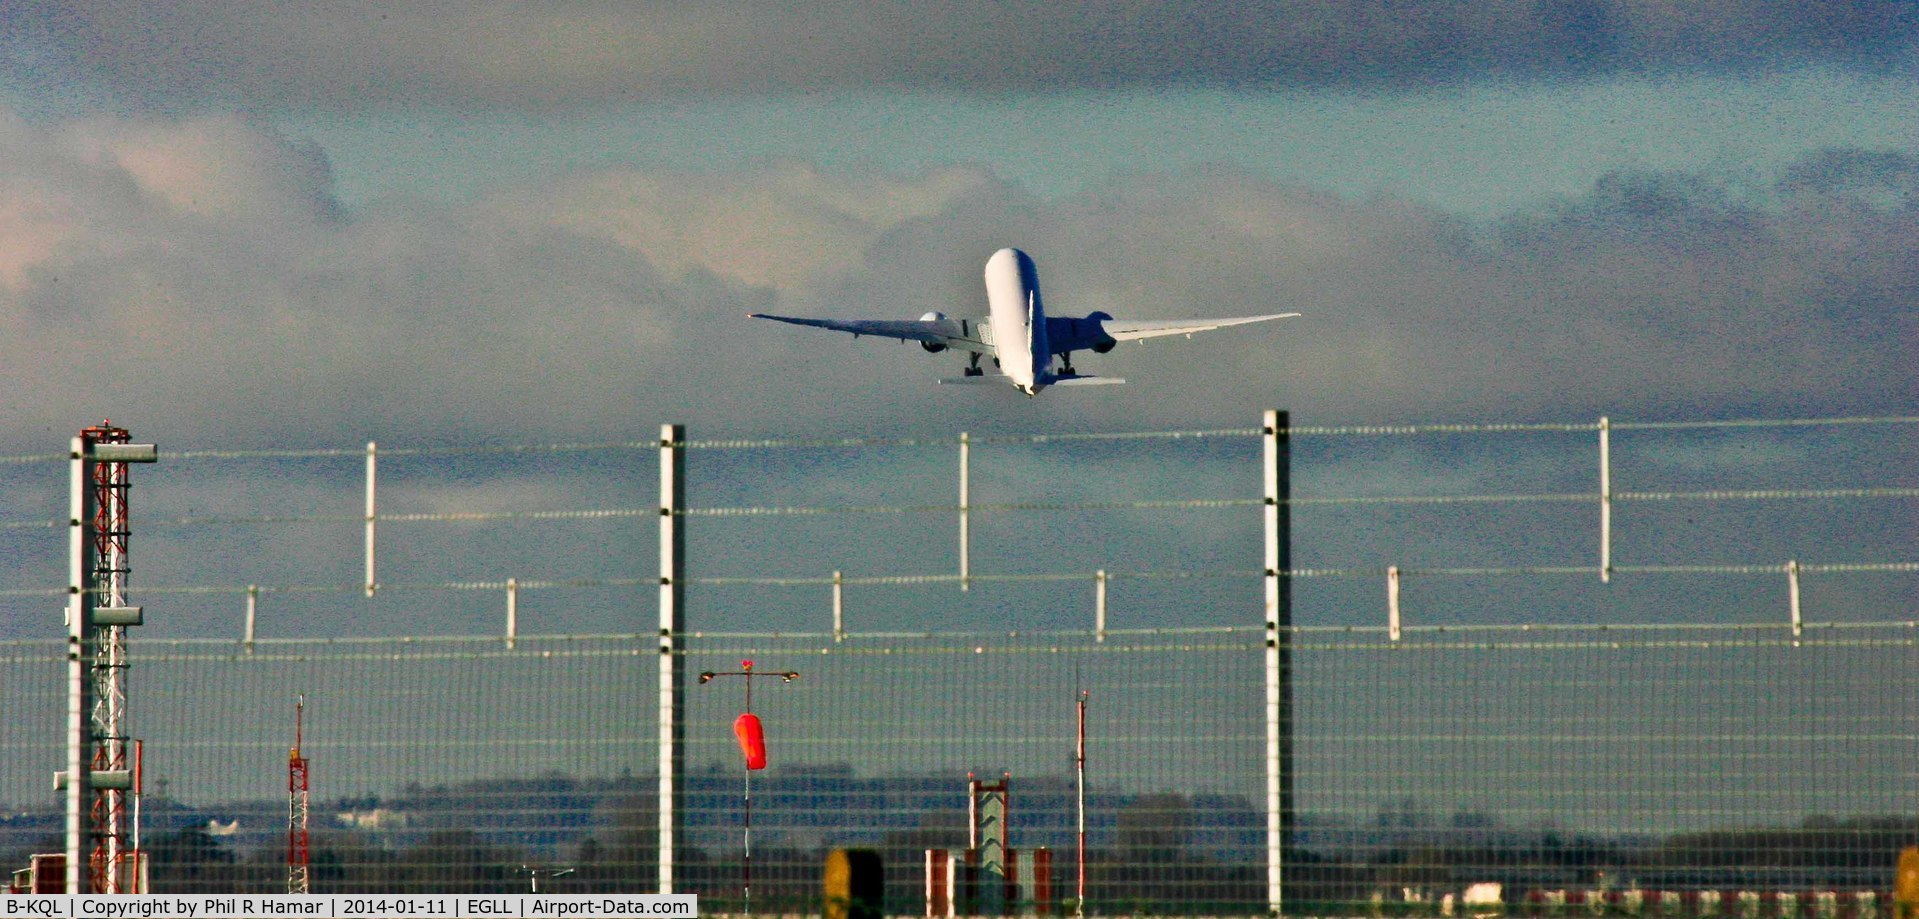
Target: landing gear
[(973, 368), (1066, 364)]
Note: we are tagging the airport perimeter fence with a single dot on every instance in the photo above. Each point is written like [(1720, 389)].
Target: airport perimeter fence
[(1718, 760), (1711, 712)]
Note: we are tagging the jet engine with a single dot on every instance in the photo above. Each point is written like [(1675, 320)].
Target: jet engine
[(932, 346), (1099, 316)]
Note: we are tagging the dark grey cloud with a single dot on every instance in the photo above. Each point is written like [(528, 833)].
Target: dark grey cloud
[(1876, 174), (347, 55)]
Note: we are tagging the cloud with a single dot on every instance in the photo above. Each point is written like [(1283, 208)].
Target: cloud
[(190, 277), (785, 226), (1885, 177), (217, 166), (175, 56)]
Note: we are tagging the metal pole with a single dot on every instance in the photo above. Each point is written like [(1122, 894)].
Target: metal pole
[(1279, 615), (1792, 599), (1392, 602), (139, 791), (512, 611), (746, 849), (533, 874), (839, 609), (965, 512), (1605, 500), (372, 509), (1099, 605), (672, 624), (80, 601), (1079, 771), (253, 615)]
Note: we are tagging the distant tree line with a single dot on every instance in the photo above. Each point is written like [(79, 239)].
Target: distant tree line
[(1150, 864)]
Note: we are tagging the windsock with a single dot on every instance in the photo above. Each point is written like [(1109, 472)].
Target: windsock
[(752, 740)]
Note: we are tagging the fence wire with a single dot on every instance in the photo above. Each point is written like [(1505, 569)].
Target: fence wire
[(1683, 762), (1494, 743)]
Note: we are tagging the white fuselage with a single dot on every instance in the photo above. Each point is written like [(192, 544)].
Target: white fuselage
[(1018, 320)]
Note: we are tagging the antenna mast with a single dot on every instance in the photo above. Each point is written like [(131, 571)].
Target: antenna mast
[(101, 857), (298, 877)]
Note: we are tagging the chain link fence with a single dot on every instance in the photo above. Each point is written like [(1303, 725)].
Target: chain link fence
[(1681, 686), (1544, 761)]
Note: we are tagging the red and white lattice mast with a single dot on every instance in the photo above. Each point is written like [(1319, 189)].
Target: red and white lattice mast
[(299, 879), (100, 824)]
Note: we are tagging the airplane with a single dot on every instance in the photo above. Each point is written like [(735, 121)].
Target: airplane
[(1017, 334)]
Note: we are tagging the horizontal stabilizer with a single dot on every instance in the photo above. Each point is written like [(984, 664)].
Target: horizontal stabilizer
[(998, 378)]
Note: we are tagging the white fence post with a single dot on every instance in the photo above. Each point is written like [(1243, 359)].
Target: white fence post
[(1099, 605), (512, 611), (253, 614), (1792, 599), (965, 513), (1392, 602), (839, 607), (1279, 622), (672, 623), (372, 512), (1605, 499)]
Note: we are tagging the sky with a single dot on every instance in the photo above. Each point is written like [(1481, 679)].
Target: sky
[(250, 226), (247, 226), (244, 223)]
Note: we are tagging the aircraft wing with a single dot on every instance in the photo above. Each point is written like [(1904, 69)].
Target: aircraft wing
[(1121, 330), (954, 333)]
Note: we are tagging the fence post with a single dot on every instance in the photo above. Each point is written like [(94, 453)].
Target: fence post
[(512, 612), (1279, 624), (1605, 500), (253, 614), (80, 603), (372, 511), (672, 624), (965, 502), (1099, 605), (839, 607), (1392, 602), (1792, 599)]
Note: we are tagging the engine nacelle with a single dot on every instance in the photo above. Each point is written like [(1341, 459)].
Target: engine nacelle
[(1099, 316), (930, 346)]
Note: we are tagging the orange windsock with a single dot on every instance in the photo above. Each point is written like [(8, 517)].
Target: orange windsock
[(752, 739)]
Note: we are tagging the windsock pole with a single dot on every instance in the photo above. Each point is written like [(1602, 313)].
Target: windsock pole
[(753, 744)]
